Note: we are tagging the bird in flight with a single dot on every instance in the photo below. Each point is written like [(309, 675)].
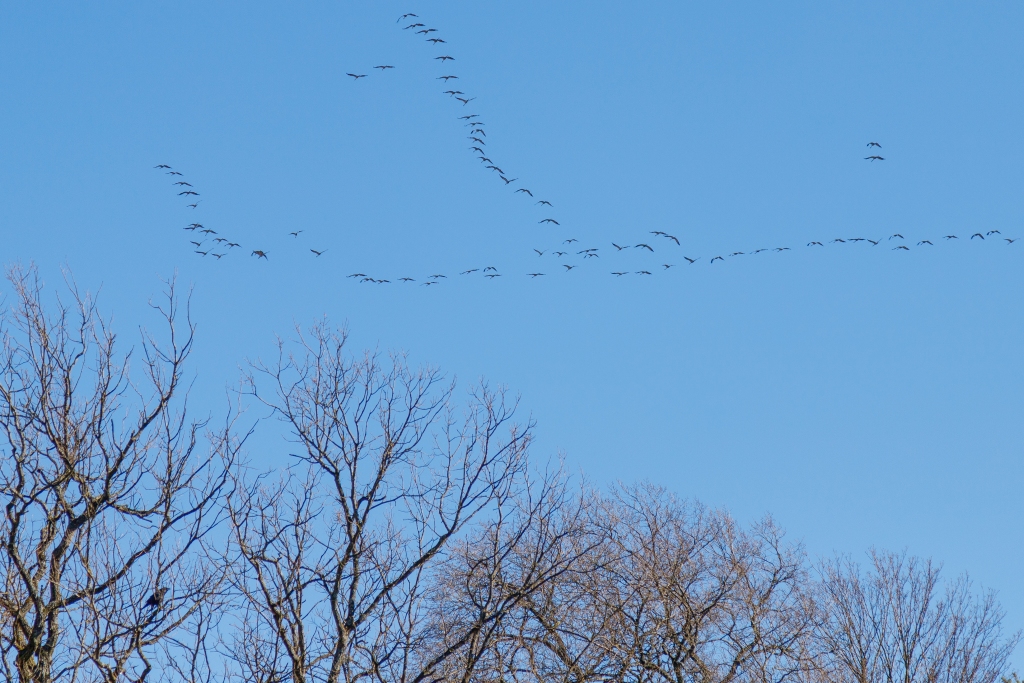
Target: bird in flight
[(192, 206), (507, 181), (874, 144), (406, 16), (539, 252), (560, 253), (446, 78), (896, 235), (435, 41), (717, 258), (993, 232), (535, 274), (644, 246), (436, 277), (466, 101), (875, 158), (182, 182), (416, 25), (951, 237), (781, 249), (856, 239), (406, 279), (453, 93), (874, 243), (657, 232), (445, 58), (295, 234), (357, 76), (977, 234), (207, 231), (544, 202), (550, 220), (924, 242), (317, 252), (356, 275), (490, 268), (666, 266), (259, 254), (570, 241), (1011, 241), (692, 260), (671, 237), (643, 272), (902, 246), (478, 140), (161, 166), (173, 173), (758, 251), (811, 244), (617, 247), (384, 67), (838, 240), (736, 253), (188, 193), (232, 245), (523, 189), (467, 272), (619, 274), (567, 267), (427, 31), (493, 275)]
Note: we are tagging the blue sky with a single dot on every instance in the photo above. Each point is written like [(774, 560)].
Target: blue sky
[(862, 395)]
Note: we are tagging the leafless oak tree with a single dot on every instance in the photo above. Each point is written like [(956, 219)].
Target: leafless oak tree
[(898, 623), (106, 496), (676, 593), (393, 505)]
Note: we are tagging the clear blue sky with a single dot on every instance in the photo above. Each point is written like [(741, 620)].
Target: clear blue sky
[(861, 395)]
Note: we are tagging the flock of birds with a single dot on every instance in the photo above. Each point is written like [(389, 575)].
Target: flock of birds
[(209, 243)]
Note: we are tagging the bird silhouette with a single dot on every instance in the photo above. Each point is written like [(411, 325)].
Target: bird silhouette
[(544, 202), (644, 246), (692, 260), (874, 144), (384, 67), (318, 253), (161, 166), (259, 254), (156, 600), (550, 220), (357, 76), (977, 234), (875, 158)]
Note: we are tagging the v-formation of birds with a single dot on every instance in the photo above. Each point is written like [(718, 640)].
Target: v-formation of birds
[(208, 243)]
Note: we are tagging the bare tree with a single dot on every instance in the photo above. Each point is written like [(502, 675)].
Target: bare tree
[(898, 623), (342, 560), (676, 593), (106, 498)]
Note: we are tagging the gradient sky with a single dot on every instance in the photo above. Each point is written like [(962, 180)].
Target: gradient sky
[(862, 395)]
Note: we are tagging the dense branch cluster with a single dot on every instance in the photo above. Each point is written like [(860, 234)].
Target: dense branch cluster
[(405, 537)]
